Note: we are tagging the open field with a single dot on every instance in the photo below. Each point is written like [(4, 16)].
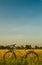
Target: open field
[(20, 53)]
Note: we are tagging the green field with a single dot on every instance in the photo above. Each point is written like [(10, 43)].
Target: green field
[(19, 62)]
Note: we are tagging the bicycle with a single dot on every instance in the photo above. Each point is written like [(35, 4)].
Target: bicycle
[(30, 57), (10, 55)]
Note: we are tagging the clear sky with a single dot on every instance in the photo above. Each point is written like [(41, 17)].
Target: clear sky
[(21, 21)]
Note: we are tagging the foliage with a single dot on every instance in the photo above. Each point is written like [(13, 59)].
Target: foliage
[(20, 47)]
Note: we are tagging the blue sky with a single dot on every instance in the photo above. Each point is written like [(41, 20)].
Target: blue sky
[(21, 20)]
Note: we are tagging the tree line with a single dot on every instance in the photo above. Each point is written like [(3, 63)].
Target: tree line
[(21, 47)]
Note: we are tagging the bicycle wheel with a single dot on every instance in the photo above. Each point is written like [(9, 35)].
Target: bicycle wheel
[(32, 58), (9, 58)]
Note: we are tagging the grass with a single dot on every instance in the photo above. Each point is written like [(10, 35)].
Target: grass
[(18, 61)]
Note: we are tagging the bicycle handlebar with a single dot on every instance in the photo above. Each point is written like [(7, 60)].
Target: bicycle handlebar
[(12, 46)]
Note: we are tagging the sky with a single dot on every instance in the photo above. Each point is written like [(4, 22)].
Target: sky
[(21, 22)]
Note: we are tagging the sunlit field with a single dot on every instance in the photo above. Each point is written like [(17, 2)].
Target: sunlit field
[(19, 55)]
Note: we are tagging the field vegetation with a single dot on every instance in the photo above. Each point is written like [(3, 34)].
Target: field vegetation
[(19, 54)]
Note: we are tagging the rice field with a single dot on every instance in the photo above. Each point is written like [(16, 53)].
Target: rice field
[(19, 55)]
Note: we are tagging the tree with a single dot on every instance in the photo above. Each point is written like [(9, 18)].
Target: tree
[(7, 47), (18, 47), (28, 47), (2, 47), (22, 47), (40, 47), (36, 47)]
